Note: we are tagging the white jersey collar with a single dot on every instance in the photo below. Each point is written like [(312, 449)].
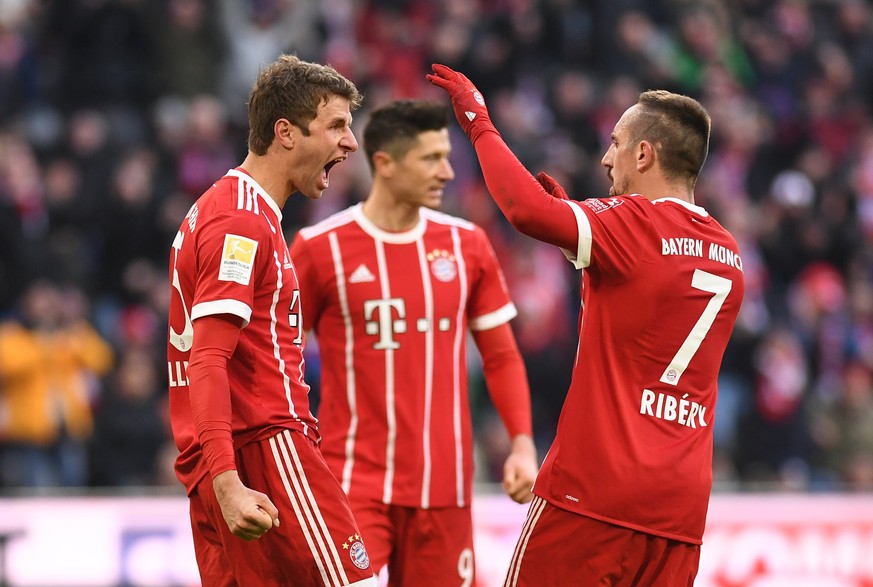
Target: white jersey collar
[(693, 207), (396, 238)]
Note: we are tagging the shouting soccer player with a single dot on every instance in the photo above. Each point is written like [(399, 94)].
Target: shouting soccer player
[(238, 403)]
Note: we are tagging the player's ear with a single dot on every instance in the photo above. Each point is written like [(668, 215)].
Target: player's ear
[(646, 156), (383, 164), (284, 132)]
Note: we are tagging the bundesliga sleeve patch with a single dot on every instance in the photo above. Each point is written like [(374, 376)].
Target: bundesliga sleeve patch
[(237, 259)]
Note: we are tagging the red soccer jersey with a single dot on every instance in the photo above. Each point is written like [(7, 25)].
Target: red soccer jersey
[(661, 288), (391, 313), (230, 257)]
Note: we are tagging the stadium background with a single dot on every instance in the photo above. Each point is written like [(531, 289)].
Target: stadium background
[(116, 114)]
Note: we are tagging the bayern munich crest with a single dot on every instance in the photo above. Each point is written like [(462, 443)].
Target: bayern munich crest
[(442, 265), (358, 553)]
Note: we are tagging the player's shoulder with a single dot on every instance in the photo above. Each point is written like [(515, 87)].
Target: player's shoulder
[(331, 223), (667, 209), (445, 219), (633, 204), (237, 193)]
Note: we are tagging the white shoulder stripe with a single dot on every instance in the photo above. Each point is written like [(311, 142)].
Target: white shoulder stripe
[(250, 192), (330, 223), (442, 218)]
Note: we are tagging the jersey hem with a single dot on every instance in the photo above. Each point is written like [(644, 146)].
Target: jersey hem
[(623, 524)]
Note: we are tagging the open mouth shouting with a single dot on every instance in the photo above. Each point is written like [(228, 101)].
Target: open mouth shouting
[(325, 173)]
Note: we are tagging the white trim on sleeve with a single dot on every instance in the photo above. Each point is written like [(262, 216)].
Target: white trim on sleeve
[(233, 307), (582, 257), (494, 319)]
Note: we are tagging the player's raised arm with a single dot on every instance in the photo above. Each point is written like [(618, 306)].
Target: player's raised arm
[(531, 206)]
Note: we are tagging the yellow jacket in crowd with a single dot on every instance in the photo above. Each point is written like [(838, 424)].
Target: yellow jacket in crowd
[(46, 381)]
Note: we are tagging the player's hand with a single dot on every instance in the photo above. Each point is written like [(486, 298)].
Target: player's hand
[(520, 469), (467, 101), (551, 186), (249, 514)]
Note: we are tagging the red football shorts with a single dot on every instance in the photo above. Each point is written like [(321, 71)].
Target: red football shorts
[(317, 542), (425, 548), (559, 548)]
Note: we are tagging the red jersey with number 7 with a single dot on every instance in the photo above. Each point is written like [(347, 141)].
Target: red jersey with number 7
[(230, 257), (662, 285), (391, 313)]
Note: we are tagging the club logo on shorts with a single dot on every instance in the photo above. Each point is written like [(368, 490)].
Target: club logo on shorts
[(357, 552), (442, 265)]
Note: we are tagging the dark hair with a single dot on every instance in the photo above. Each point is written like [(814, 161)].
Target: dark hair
[(293, 89), (678, 127), (395, 127)]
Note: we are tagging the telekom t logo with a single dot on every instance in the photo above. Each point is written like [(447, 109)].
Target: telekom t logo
[(387, 317), (380, 318)]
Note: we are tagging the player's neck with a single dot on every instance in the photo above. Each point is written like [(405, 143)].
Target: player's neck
[(264, 172), (389, 215), (659, 190)]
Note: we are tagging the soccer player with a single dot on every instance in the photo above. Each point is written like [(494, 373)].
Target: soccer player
[(622, 495), (238, 403), (391, 288)]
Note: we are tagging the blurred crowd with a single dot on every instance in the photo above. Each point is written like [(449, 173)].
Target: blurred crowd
[(115, 115)]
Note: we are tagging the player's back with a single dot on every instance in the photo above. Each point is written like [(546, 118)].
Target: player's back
[(660, 297)]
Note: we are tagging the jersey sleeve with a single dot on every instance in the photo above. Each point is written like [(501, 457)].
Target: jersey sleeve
[(229, 260), (490, 304), (521, 198), (611, 233)]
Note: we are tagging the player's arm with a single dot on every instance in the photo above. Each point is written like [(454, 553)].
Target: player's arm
[(532, 205), (248, 513), (506, 379)]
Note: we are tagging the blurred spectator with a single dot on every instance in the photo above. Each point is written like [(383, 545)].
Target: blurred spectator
[(129, 216), (190, 47), (206, 151), (19, 82), (257, 31), (22, 218), (771, 440), (706, 40), (842, 427), (50, 359), (98, 54), (130, 425)]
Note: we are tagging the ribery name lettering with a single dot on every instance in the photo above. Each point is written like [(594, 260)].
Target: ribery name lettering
[(667, 407)]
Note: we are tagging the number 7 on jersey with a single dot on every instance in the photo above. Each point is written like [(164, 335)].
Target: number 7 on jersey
[(720, 287)]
